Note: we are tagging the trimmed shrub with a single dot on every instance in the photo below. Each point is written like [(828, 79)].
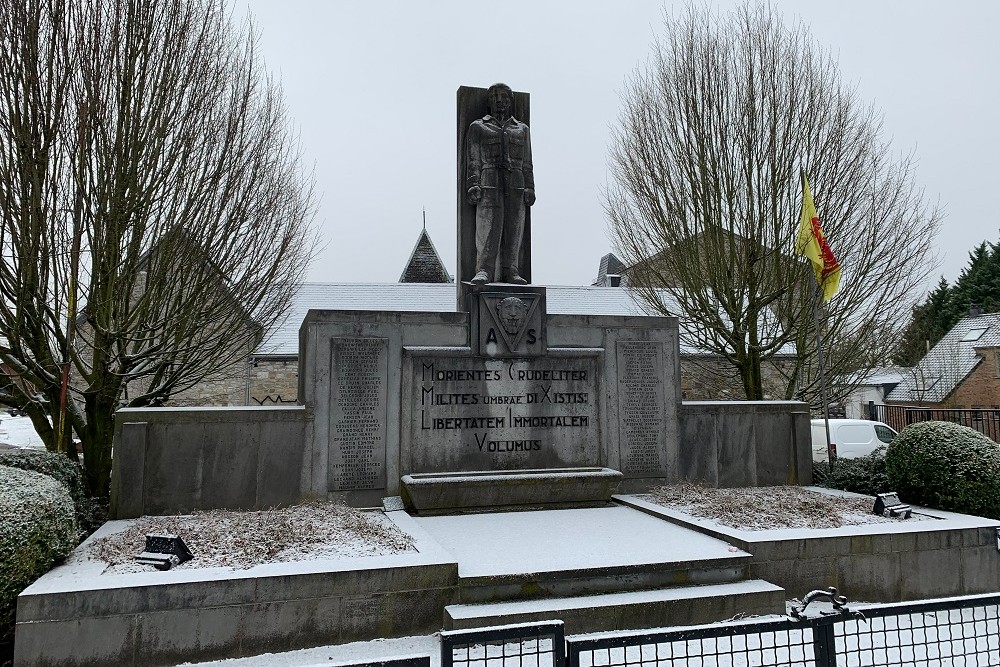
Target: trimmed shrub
[(58, 466), (946, 466), (90, 512), (865, 474), (37, 530)]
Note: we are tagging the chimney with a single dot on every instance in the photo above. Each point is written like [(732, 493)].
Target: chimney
[(975, 310)]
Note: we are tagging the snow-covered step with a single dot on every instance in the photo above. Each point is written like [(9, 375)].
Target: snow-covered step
[(682, 605), (635, 576)]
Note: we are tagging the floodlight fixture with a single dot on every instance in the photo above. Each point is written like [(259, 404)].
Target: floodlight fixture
[(888, 505), (164, 551)]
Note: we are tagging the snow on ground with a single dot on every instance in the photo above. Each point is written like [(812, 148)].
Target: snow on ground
[(18, 432), (245, 539), (356, 652), (504, 543)]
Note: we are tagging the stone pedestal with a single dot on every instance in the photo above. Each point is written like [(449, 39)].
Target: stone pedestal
[(395, 394)]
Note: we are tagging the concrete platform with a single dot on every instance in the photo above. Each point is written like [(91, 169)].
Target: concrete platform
[(575, 558), (74, 615), (944, 555), (569, 539)]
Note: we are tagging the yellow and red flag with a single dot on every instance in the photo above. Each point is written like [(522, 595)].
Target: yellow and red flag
[(812, 244)]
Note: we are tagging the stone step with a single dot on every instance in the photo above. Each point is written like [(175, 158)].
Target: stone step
[(687, 605), (631, 577)]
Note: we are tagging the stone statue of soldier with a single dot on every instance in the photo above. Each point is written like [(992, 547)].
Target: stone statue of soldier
[(500, 184)]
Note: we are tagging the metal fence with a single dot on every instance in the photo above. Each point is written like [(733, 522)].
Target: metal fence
[(524, 645), (951, 632), (960, 631), (984, 420)]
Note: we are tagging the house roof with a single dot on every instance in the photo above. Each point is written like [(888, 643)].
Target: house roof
[(950, 361), (283, 339), (876, 377)]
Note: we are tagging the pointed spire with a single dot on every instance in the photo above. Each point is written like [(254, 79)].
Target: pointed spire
[(425, 265)]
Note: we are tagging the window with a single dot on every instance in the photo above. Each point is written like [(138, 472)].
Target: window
[(926, 383), (884, 433), (974, 334)]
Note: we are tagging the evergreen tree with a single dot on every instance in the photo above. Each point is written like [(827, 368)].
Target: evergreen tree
[(979, 284), (926, 326)]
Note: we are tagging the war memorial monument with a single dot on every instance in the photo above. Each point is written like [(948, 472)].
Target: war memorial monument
[(509, 442)]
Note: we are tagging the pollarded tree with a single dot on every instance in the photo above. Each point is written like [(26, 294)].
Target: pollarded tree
[(706, 198), (154, 214)]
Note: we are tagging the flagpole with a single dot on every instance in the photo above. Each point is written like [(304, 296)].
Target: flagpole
[(817, 297), (831, 451)]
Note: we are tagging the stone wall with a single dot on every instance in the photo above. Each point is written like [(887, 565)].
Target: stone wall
[(170, 460), (226, 387), (274, 381), (745, 443)]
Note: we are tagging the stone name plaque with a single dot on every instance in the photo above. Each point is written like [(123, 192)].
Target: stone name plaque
[(641, 409), (471, 413), (359, 374)]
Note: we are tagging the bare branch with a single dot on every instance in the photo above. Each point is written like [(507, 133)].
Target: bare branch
[(151, 128), (706, 200)]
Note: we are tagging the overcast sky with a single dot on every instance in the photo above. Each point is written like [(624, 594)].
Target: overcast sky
[(371, 89)]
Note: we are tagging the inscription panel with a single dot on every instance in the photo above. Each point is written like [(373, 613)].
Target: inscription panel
[(472, 413), (641, 408), (359, 374)]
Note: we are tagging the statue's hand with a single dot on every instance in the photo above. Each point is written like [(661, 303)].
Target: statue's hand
[(474, 195), (529, 196)]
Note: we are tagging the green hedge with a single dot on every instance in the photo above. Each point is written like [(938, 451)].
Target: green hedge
[(946, 466), (865, 474), (90, 512), (37, 530)]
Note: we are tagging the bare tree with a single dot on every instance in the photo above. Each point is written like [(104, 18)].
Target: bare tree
[(155, 215), (705, 205)]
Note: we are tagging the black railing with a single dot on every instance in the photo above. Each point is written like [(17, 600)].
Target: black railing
[(953, 631), (524, 645), (958, 631), (984, 420)]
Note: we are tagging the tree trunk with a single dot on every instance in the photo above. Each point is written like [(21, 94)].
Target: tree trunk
[(97, 437), (753, 385)]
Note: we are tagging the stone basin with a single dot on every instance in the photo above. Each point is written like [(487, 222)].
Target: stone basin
[(504, 490)]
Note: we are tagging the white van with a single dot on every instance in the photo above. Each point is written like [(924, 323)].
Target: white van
[(853, 437)]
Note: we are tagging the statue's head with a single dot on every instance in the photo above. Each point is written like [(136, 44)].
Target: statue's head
[(501, 100)]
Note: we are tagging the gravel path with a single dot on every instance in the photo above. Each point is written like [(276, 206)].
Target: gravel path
[(245, 539)]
